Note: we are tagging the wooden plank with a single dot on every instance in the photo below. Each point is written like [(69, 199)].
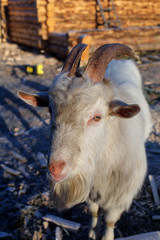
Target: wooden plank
[(156, 217), (146, 47), (70, 225), (58, 36), (154, 189), (16, 3), (3, 21), (22, 2), (10, 170), (27, 8), (25, 19), (23, 25), (58, 50), (25, 35), (140, 39), (143, 236), (27, 25), (38, 16), (58, 234), (58, 43), (32, 43), (86, 39), (33, 32)]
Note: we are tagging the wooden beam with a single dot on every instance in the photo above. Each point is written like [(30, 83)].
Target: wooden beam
[(154, 189), (70, 225)]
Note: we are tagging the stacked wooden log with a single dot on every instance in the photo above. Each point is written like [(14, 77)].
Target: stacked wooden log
[(133, 13), (61, 23), (82, 14), (30, 21), (139, 38), (3, 20), (138, 13), (74, 15), (58, 44), (82, 17)]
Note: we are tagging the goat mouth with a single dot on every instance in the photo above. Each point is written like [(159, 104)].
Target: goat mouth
[(58, 179)]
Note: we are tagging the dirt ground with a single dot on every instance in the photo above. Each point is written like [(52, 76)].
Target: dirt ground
[(24, 190)]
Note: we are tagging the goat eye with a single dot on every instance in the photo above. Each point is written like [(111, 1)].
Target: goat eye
[(97, 118)]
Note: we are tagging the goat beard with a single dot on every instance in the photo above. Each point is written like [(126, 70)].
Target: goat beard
[(72, 191)]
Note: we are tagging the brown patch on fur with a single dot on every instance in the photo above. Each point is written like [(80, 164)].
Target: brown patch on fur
[(94, 214), (94, 196), (111, 224)]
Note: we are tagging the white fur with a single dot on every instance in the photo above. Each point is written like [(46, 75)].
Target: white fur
[(127, 83), (104, 161), (111, 165)]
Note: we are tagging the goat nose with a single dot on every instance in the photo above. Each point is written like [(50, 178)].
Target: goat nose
[(56, 168)]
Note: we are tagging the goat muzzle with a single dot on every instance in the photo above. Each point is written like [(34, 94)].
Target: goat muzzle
[(55, 170)]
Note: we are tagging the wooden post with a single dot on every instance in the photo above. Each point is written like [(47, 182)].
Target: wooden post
[(87, 40)]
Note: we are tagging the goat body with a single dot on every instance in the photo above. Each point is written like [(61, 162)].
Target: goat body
[(98, 130)]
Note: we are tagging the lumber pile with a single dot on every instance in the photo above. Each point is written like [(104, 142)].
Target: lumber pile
[(139, 38), (82, 15), (58, 44), (143, 236), (30, 21), (138, 13), (134, 13), (3, 20), (74, 15), (61, 24)]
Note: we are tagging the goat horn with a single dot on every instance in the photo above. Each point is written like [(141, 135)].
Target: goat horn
[(98, 63), (73, 60)]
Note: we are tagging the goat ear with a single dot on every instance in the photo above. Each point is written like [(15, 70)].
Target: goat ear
[(37, 99), (123, 110)]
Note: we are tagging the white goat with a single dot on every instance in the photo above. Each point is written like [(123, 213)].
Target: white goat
[(99, 123)]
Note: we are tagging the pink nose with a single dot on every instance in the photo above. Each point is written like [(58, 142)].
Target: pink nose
[(56, 168)]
